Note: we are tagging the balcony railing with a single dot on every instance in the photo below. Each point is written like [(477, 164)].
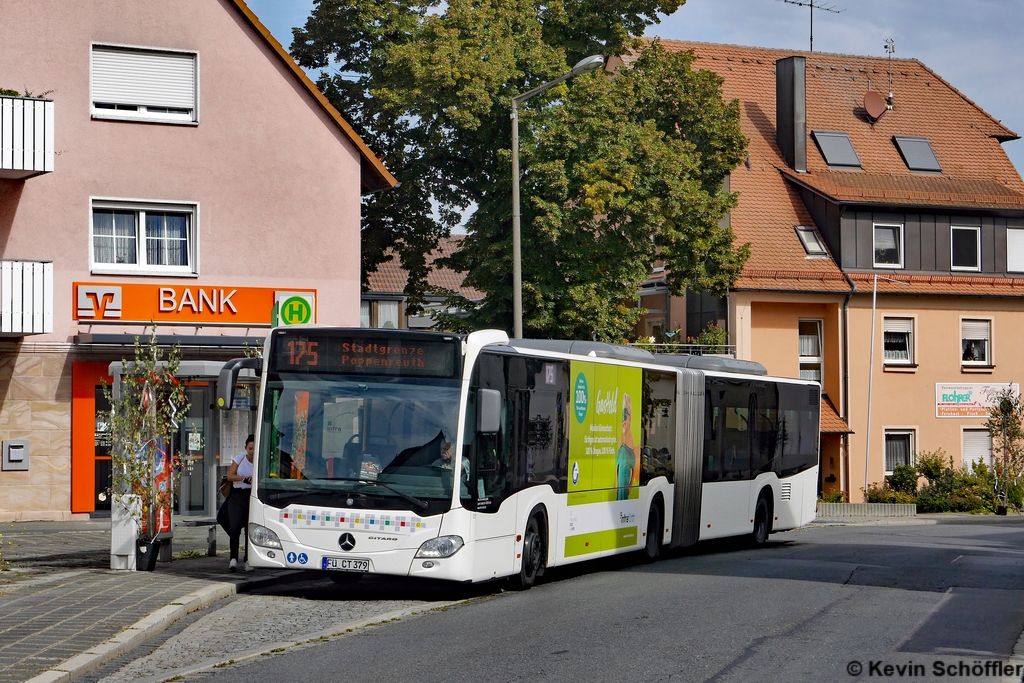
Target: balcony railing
[(26, 297), (26, 137), (728, 350)]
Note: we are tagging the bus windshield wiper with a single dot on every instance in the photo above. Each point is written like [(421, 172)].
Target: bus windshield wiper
[(412, 499)]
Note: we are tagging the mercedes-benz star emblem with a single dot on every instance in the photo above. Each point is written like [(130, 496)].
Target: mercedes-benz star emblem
[(347, 541)]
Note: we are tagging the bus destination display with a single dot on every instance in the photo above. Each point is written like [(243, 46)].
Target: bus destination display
[(365, 355)]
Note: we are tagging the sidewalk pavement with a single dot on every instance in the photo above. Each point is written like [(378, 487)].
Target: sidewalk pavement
[(63, 612)]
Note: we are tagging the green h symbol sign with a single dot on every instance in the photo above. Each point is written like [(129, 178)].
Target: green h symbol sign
[(296, 311)]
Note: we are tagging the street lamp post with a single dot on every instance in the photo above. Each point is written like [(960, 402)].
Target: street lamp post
[(871, 377), (582, 66)]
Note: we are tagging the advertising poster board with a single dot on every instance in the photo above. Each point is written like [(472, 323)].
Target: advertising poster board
[(604, 458), (967, 400)]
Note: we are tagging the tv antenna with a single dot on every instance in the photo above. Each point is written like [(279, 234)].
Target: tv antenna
[(813, 4), (890, 48)]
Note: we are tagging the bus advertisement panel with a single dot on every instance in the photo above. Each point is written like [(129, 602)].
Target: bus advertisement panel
[(604, 458)]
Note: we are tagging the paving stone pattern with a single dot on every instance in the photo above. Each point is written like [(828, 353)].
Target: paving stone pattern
[(44, 624)]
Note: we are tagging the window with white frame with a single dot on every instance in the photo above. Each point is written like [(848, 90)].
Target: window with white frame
[(977, 448), (810, 350), (965, 248), (159, 238), (976, 342), (1015, 250), (383, 314), (144, 84), (899, 449), (898, 341), (888, 246)]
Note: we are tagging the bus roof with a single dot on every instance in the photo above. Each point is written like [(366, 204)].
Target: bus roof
[(629, 353)]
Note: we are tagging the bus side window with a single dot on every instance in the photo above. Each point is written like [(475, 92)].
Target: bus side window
[(765, 434), (799, 409), (712, 431), (659, 425)]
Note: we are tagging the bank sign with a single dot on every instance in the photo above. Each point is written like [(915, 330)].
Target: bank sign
[(967, 400), (192, 304)]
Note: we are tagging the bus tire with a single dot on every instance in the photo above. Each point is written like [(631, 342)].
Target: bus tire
[(345, 578), (535, 552), (762, 523), (652, 548)]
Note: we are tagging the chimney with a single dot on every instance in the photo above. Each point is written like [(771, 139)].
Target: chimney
[(791, 111)]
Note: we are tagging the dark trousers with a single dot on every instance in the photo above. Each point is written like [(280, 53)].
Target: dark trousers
[(238, 520)]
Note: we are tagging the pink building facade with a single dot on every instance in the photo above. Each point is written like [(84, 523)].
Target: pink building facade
[(174, 167)]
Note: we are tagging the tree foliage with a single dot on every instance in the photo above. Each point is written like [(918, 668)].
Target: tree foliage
[(1006, 427), (617, 170)]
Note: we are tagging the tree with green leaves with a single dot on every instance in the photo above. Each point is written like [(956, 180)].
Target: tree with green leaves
[(1006, 427), (620, 169)]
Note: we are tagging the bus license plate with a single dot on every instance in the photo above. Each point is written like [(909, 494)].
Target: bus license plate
[(345, 564)]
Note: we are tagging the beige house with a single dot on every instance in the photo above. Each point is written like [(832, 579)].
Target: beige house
[(176, 168), (844, 183)]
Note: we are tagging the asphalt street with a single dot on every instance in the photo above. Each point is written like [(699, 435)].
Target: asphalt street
[(818, 604)]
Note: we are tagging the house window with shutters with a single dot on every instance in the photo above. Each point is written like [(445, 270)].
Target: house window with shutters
[(976, 342), (898, 341), (810, 350), (132, 237), (142, 84), (977, 448)]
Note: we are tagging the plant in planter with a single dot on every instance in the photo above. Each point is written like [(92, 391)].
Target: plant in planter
[(146, 407), (1006, 427)]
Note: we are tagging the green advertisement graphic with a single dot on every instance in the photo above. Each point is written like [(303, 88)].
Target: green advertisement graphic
[(604, 443)]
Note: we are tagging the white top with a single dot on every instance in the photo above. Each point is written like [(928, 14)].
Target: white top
[(244, 470)]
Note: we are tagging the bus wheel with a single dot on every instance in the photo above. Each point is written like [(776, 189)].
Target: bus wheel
[(652, 549), (534, 553), (760, 533), (345, 578)]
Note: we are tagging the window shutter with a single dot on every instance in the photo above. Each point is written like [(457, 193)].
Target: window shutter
[(1015, 250), (974, 329), (977, 447), (905, 325), (137, 77)]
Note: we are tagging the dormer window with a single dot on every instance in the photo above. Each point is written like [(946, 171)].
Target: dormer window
[(811, 242), (917, 153), (836, 149)]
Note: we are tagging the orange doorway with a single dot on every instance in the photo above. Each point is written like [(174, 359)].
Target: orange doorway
[(90, 451)]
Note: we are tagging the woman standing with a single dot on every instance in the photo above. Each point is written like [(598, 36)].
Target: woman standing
[(240, 476)]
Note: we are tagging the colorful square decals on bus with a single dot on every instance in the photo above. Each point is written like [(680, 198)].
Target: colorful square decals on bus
[(604, 436), (351, 519)]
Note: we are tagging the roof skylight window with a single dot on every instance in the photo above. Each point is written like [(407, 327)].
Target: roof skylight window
[(836, 149), (812, 243), (917, 153)]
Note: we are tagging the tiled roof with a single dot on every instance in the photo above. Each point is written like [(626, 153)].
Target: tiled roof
[(955, 285), (391, 278), (976, 172), (831, 423)]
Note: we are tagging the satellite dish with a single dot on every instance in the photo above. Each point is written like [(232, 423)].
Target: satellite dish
[(874, 104)]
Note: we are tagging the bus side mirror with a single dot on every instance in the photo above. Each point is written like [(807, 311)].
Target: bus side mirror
[(229, 377), (488, 411)]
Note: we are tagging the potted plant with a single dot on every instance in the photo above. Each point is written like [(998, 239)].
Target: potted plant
[(145, 406)]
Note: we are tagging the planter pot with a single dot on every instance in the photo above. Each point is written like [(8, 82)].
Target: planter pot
[(1001, 510), (145, 555)]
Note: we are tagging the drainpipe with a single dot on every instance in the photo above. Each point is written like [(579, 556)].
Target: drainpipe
[(844, 470)]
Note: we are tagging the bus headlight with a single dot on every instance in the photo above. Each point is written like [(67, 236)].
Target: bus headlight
[(442, 546), (264, 537)]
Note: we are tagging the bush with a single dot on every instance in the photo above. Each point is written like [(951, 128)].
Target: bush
[(955, 490), (903, 479), (884, 494), (932, 463), (834, 497)]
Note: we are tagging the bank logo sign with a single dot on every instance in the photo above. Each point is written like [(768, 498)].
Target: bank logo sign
[(967, 400), (99, 302), (191, 304)]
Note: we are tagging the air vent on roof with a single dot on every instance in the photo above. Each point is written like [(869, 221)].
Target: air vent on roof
[(836, 148), (812, 243), (917, 153)]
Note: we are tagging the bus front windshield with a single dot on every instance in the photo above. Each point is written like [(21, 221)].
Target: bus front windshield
[(367, 442)]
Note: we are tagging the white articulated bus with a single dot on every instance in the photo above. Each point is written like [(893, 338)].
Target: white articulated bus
[(471, 458)]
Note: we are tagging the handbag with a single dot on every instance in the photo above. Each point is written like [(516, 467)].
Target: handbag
[(225, 486)]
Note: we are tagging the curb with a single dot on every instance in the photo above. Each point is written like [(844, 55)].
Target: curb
[(152, 624)]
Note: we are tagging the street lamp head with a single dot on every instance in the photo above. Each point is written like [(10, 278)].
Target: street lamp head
[(588, 64)]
